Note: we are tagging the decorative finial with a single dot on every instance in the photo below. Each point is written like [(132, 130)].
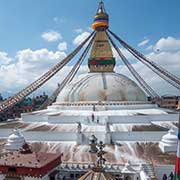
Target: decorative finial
[(101, 8), (101, 160)]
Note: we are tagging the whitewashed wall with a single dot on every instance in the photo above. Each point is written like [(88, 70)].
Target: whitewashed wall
[(72, 136), (160, 170)]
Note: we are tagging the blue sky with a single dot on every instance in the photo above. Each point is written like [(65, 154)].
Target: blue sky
[(26, 51), (22, 22)]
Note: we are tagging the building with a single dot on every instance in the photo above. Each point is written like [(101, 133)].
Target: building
[(168, 101), (25, 106), (18, 162), (106, 106)]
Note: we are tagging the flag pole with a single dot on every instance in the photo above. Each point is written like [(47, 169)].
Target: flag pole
[(179, 118), (177, 166), (178, 109)]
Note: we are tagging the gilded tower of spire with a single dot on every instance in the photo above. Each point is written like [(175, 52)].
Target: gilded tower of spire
[(101, 57)]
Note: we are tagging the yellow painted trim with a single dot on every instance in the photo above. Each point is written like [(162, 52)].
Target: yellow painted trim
[(99, 24), (178, 105)]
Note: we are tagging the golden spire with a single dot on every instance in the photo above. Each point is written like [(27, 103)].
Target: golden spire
[(101, 58), (101, 19)]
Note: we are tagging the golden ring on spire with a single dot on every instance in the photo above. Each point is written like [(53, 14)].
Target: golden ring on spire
[(96, 25)]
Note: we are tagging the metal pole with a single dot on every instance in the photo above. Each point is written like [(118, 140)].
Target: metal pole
[(178, 108), (179, 119)]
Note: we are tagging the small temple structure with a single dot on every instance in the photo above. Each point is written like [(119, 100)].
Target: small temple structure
[(97, 172), (15, 141), (20, 163), (168, 142)]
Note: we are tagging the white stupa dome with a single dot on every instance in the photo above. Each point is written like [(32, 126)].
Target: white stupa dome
[(170, 138), (15, 141), (169, 142), (101, 87)]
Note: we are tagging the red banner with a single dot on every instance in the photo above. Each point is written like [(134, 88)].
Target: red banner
[(177, 170)]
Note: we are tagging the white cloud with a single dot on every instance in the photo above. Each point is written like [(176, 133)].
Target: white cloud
[(59, 19), (51, 36), (143, 43), (27, 66), (4, 58), (168, 60), (150, 48), (62, 46), (55, 19), (168, 57), (79, 30), (167, 44), (38, 60), (125, 52), (80, 38)]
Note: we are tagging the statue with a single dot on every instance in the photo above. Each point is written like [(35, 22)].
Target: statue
[(101, 160), (93, 144), (16, 132)]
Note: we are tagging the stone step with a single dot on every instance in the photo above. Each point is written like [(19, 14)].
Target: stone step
[(149, 170)]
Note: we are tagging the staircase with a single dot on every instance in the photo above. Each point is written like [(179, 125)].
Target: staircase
[(149, 170)]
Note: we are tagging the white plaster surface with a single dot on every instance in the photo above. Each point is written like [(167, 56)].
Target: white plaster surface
[(101, 86)]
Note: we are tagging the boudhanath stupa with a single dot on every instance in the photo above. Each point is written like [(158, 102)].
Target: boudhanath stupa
[(103, 105)]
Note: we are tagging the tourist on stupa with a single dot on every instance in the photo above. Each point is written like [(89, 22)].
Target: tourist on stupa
[(171, 176), (164, 177)]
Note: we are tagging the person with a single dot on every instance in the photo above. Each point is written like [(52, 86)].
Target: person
[(127, 178), (1, 98), (94, 108), (164, 177), (92, 117), (107, 127), (79, 127), (171, 176)]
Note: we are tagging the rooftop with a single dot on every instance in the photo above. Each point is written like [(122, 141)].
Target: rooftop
[(31, 160)]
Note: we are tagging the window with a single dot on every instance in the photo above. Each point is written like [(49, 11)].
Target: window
[(77, 175), (72, 176)]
